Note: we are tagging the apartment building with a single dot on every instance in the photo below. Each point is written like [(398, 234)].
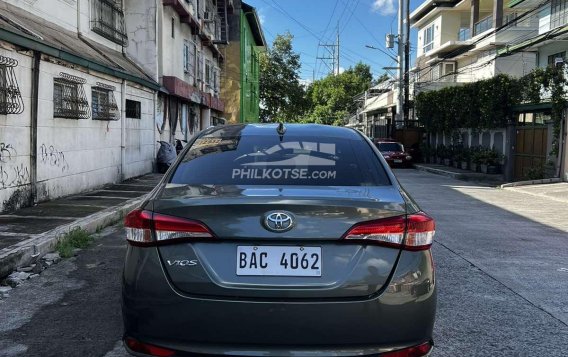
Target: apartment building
[(458, 41), (180, 43), (75, 112), (240, 82)]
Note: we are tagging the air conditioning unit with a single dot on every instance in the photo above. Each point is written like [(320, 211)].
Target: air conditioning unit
[(208, 16)]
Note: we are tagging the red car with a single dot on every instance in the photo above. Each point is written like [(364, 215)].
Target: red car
[(394, 153)]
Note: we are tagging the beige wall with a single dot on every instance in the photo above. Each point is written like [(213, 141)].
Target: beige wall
[(231, 83)]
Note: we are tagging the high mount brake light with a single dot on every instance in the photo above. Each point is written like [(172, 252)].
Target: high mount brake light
[(141, 223), (418, 229)]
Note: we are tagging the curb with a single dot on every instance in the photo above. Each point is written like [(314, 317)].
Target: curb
[(30, 250), (531, 182), (457, 175)]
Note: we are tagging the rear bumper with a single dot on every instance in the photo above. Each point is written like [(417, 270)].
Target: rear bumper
[(402, 316)]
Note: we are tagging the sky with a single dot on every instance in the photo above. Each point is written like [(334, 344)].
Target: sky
[(314, 22)]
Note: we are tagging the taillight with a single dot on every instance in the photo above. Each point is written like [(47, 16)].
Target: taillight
[(414, 351), (141, 223), (140, 347), (418, 229)]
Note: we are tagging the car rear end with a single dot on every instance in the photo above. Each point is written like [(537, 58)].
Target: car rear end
[(263, 242), (394, 153)]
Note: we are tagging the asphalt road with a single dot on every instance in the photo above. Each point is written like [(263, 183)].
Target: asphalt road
[(501, 265)]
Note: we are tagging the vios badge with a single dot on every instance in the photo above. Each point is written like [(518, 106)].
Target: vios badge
[(278, 221)]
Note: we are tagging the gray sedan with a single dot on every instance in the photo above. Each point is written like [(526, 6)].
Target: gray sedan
[(273, 240)]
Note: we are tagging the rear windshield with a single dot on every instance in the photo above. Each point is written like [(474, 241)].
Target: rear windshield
[(390, 147), (267, 160)]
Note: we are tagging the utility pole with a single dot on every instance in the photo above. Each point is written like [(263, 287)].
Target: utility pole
[(400, 96), (406, 104), (337, 50), (332, 54)]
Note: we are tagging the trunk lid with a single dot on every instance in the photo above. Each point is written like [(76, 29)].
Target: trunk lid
[(322, 216)]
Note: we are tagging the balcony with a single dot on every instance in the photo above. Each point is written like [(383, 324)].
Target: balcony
[(107, 20), (483, 25)]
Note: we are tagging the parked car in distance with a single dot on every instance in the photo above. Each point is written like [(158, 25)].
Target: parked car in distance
[(272, 240), (394, 153)]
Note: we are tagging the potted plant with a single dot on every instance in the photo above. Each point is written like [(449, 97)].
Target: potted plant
[(447, 155), (475, 158), (458, 156), (465, 157), (491, 161)]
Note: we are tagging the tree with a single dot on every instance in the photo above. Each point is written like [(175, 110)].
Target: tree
[(281, 94), (331, 99)]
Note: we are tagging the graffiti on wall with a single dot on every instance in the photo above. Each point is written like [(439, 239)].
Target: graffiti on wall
[(7, 152), (51, 156), (11, 175)]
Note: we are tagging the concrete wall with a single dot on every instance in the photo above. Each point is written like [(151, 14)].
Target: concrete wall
[(64, 13), (73, 155), (231, 83), (141, 27), (15, 138), (61, 12)]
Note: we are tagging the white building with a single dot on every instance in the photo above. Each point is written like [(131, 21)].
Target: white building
[(180, 44), (458, 41), (75, 112)]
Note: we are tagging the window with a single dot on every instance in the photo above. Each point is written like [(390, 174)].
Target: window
[(189, 50), (107, 20), (199, 58), (10, 97), (224, 156), (69, 99), (552, 58), (559, 13), (428, 39), (103, 102), (173, 27), (216, 80), (133, 109), (208, 73), (186, 56)]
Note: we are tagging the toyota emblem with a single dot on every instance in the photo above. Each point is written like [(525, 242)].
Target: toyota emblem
[(278, 221)]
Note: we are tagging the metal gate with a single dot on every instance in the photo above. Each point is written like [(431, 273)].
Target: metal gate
[(530, 150)]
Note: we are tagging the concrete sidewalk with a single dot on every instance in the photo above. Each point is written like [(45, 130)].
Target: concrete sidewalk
[(552, 191), (29, 233)]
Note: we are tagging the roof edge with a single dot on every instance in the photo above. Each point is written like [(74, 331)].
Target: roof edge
[(35, 44), (254, 22)]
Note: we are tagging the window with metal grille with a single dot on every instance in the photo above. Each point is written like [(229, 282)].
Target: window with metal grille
[(69, 99), (103, 102), (10, 97), (107, 20), (559, 13), (133, 109)]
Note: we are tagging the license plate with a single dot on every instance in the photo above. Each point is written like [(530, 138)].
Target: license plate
[(279, 261), (398, 161)]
